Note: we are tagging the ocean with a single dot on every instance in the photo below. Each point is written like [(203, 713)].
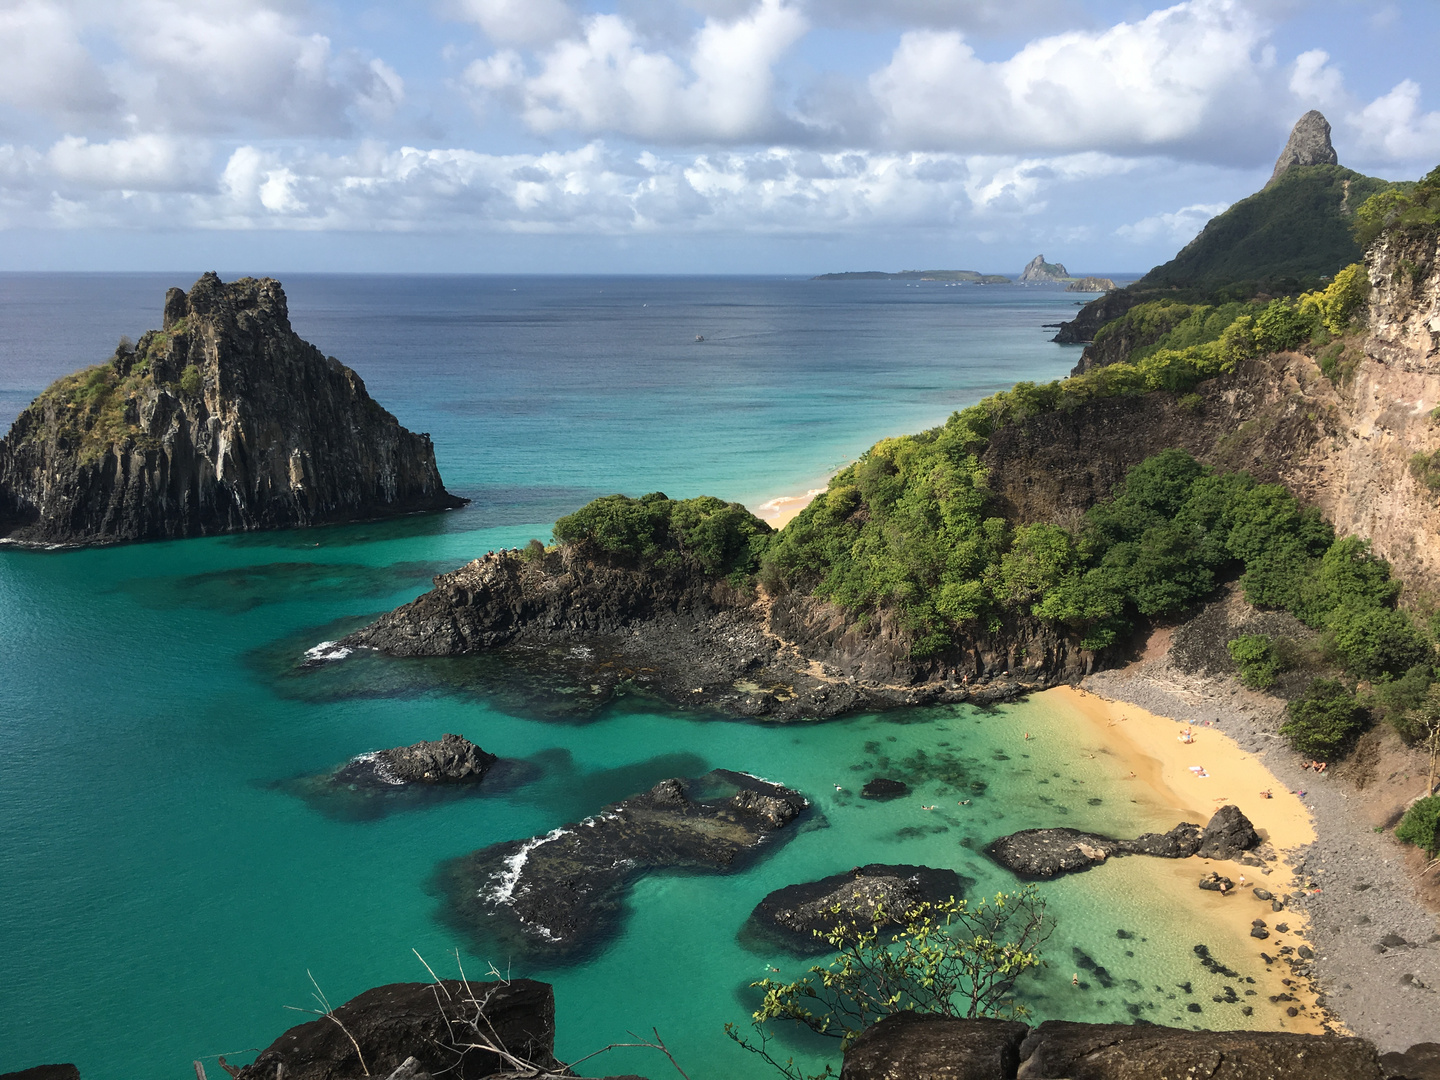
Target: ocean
[(165, 894)]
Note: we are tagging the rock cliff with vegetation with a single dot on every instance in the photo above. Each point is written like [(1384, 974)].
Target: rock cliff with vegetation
[(224, 420)]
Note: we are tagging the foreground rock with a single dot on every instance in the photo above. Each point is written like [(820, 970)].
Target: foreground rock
[(798, 916), (1048, 853), (555, 896), (933, 1048), (223, 421), (597, 627), (1091, 285), (44, 1072)]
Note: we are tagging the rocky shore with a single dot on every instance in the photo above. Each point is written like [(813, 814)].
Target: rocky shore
[(1376, 946)]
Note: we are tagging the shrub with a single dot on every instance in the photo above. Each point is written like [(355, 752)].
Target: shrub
[(190, 381), (720, 537), (1409, 704), (1378, 641), (1342, 302), (1324, 719), (533, 551), (1259, 660), (1421, 826)]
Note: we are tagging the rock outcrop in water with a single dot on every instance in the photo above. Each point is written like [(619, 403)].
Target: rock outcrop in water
[(1048, 853), (1038, 270), (224, 420), (868, 897), (559, 895), (451, 759)]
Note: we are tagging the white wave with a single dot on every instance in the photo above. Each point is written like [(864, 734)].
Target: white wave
[(509, 877), (326, 651), (382, 767)]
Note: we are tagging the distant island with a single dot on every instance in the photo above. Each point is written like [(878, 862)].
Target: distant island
[(972, 276)]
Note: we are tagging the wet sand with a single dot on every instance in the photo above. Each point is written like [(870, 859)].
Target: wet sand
[(1129, 740)]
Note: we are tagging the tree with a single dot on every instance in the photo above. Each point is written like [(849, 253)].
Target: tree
[(1258, 658), (950, 958), (1324, 719), (1422, 723)]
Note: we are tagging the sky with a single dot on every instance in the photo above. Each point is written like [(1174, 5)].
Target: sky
[(677, 136)]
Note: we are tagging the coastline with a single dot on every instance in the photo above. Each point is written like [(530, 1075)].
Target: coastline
[(779, 511), (1147, 745), (1349, 885)]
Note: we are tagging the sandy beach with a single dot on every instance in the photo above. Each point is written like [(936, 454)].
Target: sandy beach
[(779, 511), (1131, 739), (1348, 887)]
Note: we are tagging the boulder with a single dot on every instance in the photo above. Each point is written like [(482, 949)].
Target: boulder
[(1074, 1051), (1213, 882), (1228, 835), (452, 759), (1048, 853), (1179, 843), (429, 1023), (913, 1046), (882, 788), (797, 915), (1420, 1062)]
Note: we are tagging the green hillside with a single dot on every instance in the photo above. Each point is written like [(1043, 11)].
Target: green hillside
[(1282, 239)]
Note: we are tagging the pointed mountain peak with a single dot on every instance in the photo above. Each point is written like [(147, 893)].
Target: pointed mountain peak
[(1309, 144)]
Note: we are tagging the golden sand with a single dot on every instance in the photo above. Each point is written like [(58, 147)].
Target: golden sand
[(778, 512), (1148, 748)]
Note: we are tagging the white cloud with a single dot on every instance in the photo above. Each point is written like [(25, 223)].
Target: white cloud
[(975, 16), (46, 66), (608, 81), (520, 22), (1394, 128), (1316, 81), (1178, 227), (1176, 80), (144, 162)]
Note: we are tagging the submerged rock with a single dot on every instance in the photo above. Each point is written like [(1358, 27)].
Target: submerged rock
[(798, 916), (223, 421), (557, 895), (881, 788)]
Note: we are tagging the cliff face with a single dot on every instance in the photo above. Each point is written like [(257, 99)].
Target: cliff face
[(225, 420)]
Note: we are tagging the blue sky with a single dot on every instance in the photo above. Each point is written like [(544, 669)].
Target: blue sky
[(663, 136)]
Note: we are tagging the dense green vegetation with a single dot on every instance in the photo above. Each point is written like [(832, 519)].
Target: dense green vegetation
[(1412, 209), (1286, 238), (1259, 660), (1324, 720), (1421, 826), (720, 537)]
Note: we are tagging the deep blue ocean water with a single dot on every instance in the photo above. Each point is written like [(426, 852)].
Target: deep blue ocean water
[(163, 893)]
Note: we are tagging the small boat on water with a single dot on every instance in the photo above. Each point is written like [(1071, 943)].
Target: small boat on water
[(699, 337)]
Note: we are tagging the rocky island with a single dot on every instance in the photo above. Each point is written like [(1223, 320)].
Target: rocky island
[(224, 420)]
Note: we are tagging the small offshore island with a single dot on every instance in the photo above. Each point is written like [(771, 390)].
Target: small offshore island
[(1226, 517)]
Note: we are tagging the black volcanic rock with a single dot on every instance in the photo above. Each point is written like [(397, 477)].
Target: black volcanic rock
[(44, 1072), (1075, 1051), (222, 421), (797, 914), (557, 895), (882, 788), (1420, 1062), (426, 1021), (1179, 843), (1228, 835), (1048, 853), (917, 1046), (452, 759)]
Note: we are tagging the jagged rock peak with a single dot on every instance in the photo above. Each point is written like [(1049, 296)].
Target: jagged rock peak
[(225, 420), (1309, 144), (1037, 269)]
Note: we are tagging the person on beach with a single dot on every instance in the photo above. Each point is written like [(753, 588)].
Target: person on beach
[(1266, 794), (1075, 979)]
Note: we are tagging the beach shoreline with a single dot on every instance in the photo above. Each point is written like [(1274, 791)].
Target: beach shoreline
[(1348, 885), (1149, 747), (781, 510)]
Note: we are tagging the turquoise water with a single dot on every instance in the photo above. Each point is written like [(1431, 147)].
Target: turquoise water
[(163, 894)]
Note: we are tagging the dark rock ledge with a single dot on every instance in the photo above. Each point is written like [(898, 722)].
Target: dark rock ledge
[(1048, 853), (554, 897), (601, 628)]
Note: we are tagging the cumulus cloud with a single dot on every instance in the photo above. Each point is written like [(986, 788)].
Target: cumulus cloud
[(144, 162), (1392, 128), (592, 189), (47, 67), (1177, 80), (1178, 227), (607, 81), (520, 22)]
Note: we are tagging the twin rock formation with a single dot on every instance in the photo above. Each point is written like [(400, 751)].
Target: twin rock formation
[(224, 420)]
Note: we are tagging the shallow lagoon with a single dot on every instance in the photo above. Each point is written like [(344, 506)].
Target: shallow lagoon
[(163, 894)]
